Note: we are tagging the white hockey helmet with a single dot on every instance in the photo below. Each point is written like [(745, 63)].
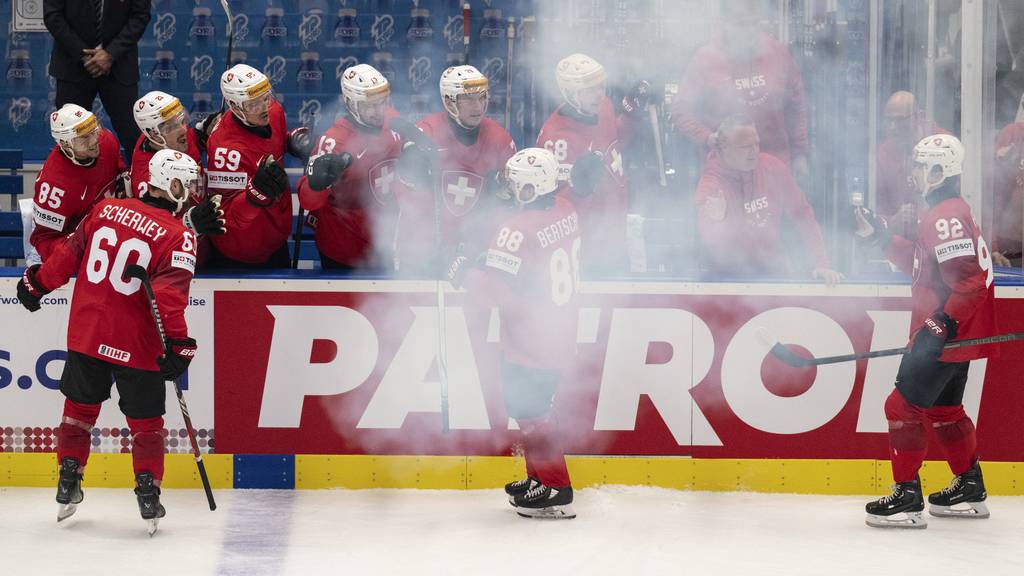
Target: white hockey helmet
[(458, 80), (70, 123), (578, 72), (942, 150), (363, 83), (158, 109), (166, 166), (531, 173), (241, 84)]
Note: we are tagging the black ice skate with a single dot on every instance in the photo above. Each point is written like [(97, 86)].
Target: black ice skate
[(546, 502), (148, 495), (901, 509), (519, 487), (963, 498), (69, 489)]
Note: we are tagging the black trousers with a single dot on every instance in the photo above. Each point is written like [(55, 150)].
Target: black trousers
[(118, 100)]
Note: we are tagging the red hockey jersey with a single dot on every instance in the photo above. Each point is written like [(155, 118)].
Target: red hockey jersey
[(355, 218), (65, 192), (769, 88), (740, 214), (952, 271), (604, 212), (110, 316), (254, 233), (532, 274), (142, 156), (465, 215)]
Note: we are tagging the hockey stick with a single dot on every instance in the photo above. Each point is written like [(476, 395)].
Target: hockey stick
[(136, 271), (231, 41), (508, 71), (780, 351), (465, 33), (409, 132)]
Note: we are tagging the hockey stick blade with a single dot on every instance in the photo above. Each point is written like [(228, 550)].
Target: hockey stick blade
[(783, 353)]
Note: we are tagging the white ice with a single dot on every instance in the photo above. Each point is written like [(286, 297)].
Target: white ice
[(619, 531)]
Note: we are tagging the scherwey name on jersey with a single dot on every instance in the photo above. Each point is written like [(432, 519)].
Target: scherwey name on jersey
[(134, 220)]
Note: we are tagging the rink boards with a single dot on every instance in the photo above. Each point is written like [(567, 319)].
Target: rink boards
[(312, 383)]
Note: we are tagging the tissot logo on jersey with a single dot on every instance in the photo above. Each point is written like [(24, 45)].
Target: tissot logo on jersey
[(560, 229), (228, 180), (183, 260), (47, 219), (134, 220), (954, 249)]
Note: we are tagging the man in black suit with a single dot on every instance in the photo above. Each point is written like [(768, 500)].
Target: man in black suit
[(95, 49)]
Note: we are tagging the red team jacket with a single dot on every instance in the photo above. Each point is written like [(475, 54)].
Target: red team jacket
[(110, 318), (65, 191), (739, 215), (603, 212), (531, 274), (770, 89), (254, 233), (952, 271), (355, 218), (140, 164), (463, 170)]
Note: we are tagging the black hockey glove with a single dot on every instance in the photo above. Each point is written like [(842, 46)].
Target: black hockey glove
[(181, 353), (930, 339), (416, 166), (204, 127), (30, 291), (870, 228), (268, 183), (324, 170), (586, 174), (636, 100), (300, 143), (206, 218)]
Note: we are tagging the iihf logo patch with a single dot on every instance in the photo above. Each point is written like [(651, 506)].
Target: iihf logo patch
[(310, 29), (164, 28), (202, 71), (20, 112), (383, 30), (275, 69), (419, 72)]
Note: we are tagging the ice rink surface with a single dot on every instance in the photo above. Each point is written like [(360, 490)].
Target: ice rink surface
[(619, 530)]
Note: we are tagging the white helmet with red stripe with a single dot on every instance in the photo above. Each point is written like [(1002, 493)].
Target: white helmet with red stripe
[(74, 127), (157, 113), (578, 72), (531, 173), (363, 83), (944, 151), (166, 166), (241, 84), (459, 80)]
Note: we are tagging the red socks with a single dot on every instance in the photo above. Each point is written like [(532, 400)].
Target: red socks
[(908, 438), (148, 446), (544, 458), (74, 435)]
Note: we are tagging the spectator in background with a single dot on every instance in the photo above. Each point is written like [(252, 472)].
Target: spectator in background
[(744, 70), (1009, 195), (95, 50), (743, 198), (898, 200)]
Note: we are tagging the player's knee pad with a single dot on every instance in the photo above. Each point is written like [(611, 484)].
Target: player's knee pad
[(898, 409), (528, 392), (147, 434), (76, 425), (906, 429), (951, 424)]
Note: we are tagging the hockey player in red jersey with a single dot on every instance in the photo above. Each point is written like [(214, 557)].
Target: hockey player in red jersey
[(350, 180), (164, 124), (587, 138), (953, 298), (245, 164), (470, 150), (84, 167), (531, 271), (111, 332)]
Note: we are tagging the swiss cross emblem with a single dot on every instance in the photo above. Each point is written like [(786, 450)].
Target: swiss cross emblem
[(461, 191), (382, 181), (230, 77), (142, 104), (351, 74), (177, 155), (53, 117), (530, 160), (78, 113)]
